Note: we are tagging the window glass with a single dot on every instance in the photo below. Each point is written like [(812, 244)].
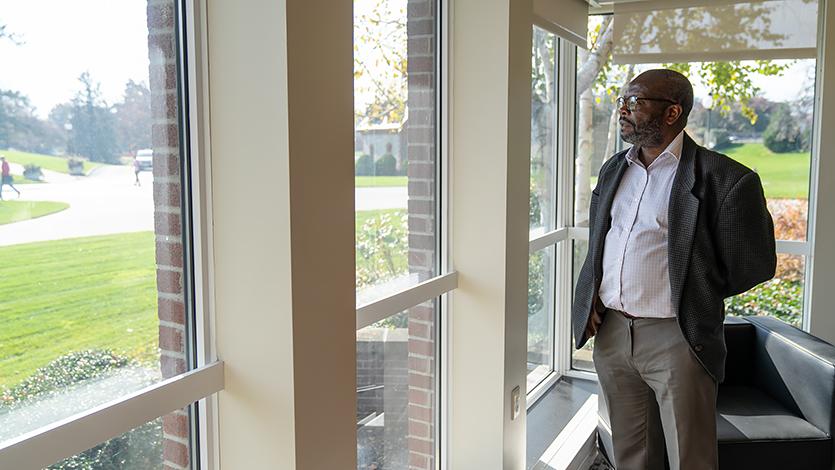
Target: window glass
[(395, 145), (543, 132), (540, 316), (543, 188), (396, 163), (94, 284), (780, 297), (758, 112), (396, 391), (137, 449)]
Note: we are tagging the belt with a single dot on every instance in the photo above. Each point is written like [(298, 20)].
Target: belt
[(623, 313)]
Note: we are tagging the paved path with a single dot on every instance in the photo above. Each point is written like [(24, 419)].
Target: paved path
[(107, 202), (367, 199), (103, 203)]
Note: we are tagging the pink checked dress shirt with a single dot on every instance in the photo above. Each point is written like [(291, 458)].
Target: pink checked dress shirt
[(636, 277)]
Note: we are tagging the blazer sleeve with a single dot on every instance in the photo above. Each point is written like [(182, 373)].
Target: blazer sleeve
[(584, 290), (745, 236)]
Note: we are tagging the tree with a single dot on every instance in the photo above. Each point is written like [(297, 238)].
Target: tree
[(15, 114), (8, 35), (783, 134), (133, 117), (20, 127), (380, 61), (92, 124)]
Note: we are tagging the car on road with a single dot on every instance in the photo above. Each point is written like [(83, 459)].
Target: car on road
[(145, 158)]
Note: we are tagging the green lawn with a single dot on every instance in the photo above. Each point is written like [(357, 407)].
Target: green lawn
[(18, 179), (93, 292), (379, 181), (15, 211), (46, 162), (784, 175), (69, 295)]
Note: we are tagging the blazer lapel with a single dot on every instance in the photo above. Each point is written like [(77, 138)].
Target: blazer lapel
[(602, 218), (682, 214)]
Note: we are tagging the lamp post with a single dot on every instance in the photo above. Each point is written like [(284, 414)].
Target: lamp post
[(708, 104)]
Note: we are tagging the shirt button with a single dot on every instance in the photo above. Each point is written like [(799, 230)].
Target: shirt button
[(698, 348)]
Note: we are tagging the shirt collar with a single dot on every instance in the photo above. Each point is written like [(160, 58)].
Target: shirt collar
[(674, 148)]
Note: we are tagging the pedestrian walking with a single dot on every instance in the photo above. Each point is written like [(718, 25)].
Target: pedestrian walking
[(6, 177), (136, 170)]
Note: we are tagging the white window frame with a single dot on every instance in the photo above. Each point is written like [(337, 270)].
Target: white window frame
[(67, 437), (446, 281)]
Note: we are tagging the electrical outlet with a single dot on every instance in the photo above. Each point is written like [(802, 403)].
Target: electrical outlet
[(515, 399)]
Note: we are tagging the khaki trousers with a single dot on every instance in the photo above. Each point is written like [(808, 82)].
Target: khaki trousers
[(656, 392)]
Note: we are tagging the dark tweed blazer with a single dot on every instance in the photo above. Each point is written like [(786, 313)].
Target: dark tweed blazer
[(721, 243)]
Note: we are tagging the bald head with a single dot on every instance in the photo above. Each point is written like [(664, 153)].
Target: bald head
[(669, 84)]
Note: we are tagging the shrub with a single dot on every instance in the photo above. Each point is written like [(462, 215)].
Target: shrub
[(63, 372), (778, 298), (75, 166), (138, 449), (381, 249), (386, 165), (32, 172), (783, 133), (364, 166), (536, 282), (789, 224), (535, 208)]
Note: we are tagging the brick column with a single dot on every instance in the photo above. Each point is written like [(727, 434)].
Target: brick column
[(162, 52), (421, 157)]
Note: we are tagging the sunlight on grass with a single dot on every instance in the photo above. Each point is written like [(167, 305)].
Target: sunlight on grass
[(75, 294), (16, 211), (380, 181), (784, 175)]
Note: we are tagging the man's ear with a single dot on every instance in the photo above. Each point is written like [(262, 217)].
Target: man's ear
[(673, 114)]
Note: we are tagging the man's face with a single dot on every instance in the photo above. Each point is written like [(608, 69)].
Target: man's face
[(642, 127)]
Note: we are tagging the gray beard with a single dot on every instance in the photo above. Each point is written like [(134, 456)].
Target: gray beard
[(647, 136)]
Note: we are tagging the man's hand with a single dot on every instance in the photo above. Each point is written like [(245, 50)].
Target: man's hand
[(595, 320)]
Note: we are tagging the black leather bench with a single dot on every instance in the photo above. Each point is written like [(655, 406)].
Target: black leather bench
[(775, 407)]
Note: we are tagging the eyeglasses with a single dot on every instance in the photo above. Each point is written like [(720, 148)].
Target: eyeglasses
[(631, 102)]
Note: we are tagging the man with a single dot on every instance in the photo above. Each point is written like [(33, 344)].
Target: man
[(674, 229), (6, 176)]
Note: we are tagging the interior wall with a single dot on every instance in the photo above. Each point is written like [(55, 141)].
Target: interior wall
[(251, 237), (490, 143)]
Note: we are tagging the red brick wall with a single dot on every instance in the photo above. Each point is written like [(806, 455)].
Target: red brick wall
[(421, 153), (162, 52)]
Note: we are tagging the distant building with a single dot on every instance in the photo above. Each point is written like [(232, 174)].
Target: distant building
[(377, 139)]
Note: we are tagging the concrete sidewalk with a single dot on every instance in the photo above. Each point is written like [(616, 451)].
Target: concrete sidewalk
[(107, 202)]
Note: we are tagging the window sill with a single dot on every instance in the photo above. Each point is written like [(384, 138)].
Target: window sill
[(562, 426)]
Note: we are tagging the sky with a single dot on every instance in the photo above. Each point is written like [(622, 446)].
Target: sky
[(62, 39)]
